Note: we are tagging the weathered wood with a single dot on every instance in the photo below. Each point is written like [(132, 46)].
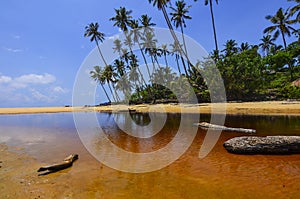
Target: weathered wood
[(68, 161), (224, 128), (264, 145)]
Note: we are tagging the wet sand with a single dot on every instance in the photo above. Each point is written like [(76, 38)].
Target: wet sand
[(245, 108)]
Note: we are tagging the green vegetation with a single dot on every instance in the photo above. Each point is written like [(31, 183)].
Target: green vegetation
[(263, 71)]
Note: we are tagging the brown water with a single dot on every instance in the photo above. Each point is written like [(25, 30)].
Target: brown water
[(218, 175)]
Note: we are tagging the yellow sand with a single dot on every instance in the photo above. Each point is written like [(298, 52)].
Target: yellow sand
[(246, 108)]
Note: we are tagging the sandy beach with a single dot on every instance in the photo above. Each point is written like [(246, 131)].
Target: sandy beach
[(244, 108)]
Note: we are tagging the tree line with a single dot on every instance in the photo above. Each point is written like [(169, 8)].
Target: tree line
[(261, 71)]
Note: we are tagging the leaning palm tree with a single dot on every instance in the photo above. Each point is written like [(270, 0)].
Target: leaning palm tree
[(96, 75), (92, 31), (179, 15), (267, 42), (108, 76), (206, 2), (281, 25)]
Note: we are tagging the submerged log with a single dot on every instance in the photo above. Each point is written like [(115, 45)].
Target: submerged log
[(264, 145), (68, 162), (224, 128)]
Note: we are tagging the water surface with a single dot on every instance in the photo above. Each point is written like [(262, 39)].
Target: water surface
[(218, 175)]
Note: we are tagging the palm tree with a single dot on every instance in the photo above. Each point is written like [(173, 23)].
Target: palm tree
[(206, 2), (175, 49), (230, 48), (267, 42), (96, 74), (118, 46), (136, 33), (281, 25), (108, 76), (161, 5), (122, 18), (178, 17), (165, 52), (92, 31), (244, 46)]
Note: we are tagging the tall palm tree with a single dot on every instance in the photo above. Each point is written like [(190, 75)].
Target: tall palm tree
[(210, 2), (175, 49), (165, 52), (281, 25), (92, 31), (108, 75), (118, 46), (136, 34), (161, 5), (179, 15), (122, 18), (96, 74), (267, 42)]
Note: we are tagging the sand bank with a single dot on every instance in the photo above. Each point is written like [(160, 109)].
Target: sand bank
[(245, 108)]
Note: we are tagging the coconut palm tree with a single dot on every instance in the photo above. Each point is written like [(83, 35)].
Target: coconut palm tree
[(122, 18), (92, 31), (136, 34), (161, 5), (108, 75), (210, 2), (244, 46), (165, 52), (118, 46), (230, 48), (179, 15), (175, 49), (267, 42), (96, 74), (281, 25)]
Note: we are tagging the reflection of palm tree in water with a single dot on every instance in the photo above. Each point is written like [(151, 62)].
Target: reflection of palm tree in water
[(141, 119)]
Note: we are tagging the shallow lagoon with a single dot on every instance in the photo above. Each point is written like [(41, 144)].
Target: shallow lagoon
[(49, 137)]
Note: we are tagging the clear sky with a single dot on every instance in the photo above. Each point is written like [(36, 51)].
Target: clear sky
[(42, 44)]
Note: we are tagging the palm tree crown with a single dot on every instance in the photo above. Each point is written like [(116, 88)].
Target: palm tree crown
[(281, 25), (122, 18)]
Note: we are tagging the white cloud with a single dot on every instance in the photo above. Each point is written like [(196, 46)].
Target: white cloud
[(40, 97), (5, 79), (12, 50), (59, 89), (36, 79)]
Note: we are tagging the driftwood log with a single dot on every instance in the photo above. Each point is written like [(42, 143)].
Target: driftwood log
[(264, 145), (224, 128), (68, 162)]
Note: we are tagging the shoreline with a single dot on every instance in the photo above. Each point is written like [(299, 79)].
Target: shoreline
[(232, 108)]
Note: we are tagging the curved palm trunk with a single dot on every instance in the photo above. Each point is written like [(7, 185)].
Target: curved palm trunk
[(176, 39), (143, 55), (184, 45), (213, 24), (178, 66), (111, 91), (105, 93), (100, 52)]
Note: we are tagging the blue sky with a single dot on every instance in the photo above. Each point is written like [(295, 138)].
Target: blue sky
[(42, 44)]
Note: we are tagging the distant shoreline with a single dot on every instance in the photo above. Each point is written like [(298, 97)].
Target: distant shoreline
[(236, 108)]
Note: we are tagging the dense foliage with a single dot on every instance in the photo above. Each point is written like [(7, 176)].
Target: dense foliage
[(263, 71)]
